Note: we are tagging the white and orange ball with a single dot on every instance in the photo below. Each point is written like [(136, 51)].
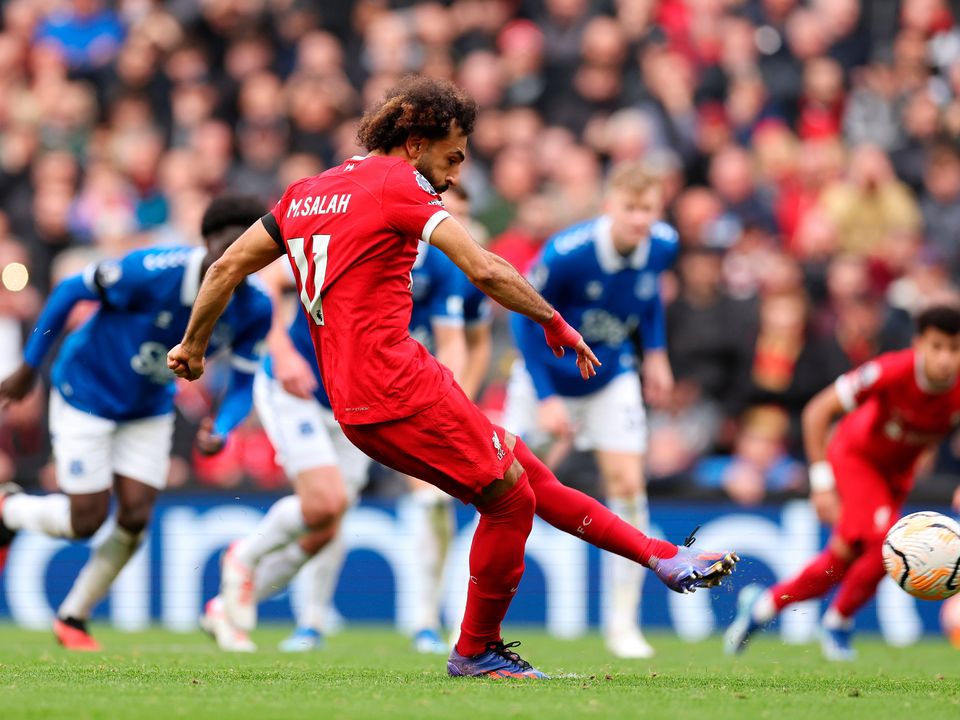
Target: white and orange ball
[(922, 555)]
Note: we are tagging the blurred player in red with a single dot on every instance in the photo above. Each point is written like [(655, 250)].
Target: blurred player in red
[(899, 406), (351, 235)]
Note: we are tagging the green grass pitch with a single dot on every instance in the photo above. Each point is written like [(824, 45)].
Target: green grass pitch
[(372, 673)]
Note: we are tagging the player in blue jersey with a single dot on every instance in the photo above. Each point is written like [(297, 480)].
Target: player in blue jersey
[(328, 473), (111, 400), (603, 276)]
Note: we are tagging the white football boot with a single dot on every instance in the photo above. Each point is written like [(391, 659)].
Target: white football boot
[(236, 591), (228, 638)]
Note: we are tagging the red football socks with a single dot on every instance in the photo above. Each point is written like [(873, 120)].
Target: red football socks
[(825, 571), (496, 566), (580, 515), (860, 582)]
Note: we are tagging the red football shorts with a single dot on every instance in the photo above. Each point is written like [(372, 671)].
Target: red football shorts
[(870, 502), (451, 445)]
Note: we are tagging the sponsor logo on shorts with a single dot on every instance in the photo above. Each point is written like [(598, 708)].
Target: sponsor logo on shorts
[(307, 428), (76, 467)]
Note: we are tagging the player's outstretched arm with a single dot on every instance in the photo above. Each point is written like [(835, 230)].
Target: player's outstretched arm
[(501, 281), (817, 418), (252, 251), (49, 326)]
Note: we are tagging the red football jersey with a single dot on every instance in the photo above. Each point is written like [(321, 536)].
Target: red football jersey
[(351, 236), (893, 416)]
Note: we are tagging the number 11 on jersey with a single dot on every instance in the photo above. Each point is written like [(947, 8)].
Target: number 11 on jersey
[(314, 267)]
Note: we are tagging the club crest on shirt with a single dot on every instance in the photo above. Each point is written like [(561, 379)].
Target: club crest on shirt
[(424, 183), (108, 273), (498, 447)]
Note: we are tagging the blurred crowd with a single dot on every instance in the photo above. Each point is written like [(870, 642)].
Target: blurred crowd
[(810, 152)]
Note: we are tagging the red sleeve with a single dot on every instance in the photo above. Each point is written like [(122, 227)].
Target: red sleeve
[(872, 377), (410, 204)]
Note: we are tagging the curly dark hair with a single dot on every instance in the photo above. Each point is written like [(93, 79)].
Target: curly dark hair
[(231, 210), (419, 106)]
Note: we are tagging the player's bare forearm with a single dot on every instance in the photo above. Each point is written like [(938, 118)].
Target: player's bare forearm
[(252, 251), (817, 418), (501, 281), (215, 292), (489, 272)]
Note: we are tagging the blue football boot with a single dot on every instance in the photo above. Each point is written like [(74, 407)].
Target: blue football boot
[(428, 642), (837, 643), (303, 639), (499, 661)]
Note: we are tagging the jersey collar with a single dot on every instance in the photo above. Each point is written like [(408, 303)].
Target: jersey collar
[(190, 285), (607, 256)]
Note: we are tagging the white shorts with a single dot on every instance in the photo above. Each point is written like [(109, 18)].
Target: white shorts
[(305, 434), (89, 450), (613, 418)]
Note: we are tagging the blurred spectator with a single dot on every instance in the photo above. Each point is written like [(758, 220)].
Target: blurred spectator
[(760, 464), (87, 32), (870, 203), (940, 204), (732, 178), (790, 364), (707, 330)]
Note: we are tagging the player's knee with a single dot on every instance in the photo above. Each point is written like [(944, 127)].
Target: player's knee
[(135, 518), (321, 509), (314, 541), (623, 478), (86, 518), (514, 473), (842, 548)]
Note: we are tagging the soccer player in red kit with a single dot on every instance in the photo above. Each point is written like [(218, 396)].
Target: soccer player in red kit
[(899, 406), (351, 236)]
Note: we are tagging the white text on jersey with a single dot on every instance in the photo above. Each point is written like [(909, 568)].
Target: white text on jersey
[(318, 205)]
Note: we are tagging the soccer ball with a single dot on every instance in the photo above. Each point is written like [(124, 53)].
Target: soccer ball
[(950, 620), (922, 555)]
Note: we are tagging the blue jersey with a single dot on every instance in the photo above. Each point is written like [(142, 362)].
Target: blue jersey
[(438, 287), (477, 307), (115, 365), (606, 296)]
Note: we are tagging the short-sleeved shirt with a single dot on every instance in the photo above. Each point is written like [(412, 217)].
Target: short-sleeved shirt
[(352, 235), (115, 365), (893, 416)]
